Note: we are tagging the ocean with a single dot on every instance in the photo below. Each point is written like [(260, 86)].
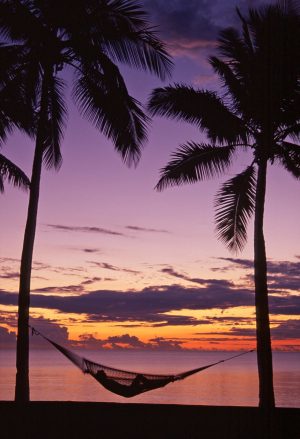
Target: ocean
[(54, 378)]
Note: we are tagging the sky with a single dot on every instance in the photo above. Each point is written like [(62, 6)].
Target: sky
[(118, 265)]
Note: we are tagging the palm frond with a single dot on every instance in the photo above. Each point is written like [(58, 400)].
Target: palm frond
[(16, 108), (11, 57), (18, 21), (289, 130), (241, 75), (195, 162), (15, 112), (235, 90), (120, 28), (13, 174), (21, 66), (232, 46), (141, 50), (104, 100), (265, 60), (288, 156), (234, 206), (246, 31), (200, 107), (54, 124)]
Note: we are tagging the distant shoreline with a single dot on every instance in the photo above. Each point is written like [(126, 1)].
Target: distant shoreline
[(89, 420)]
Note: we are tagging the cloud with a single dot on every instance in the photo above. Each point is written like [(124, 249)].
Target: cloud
[(7, 338), (129, 340), (229, 320), (36, 265), (284, 267), (162, 343), (85, 229), (111, 267), (47, 327), (11, 270), (287, 330), (243, 263), (275, 267), (240, 331), (10, 275), (188, 27), (4, 259), (89, 341), (286, 305), (284, 282), (282, 275), (60, 289), (222, 339), (192, 19), (126, 341), (77, 288), (221, 283), (154, 320), (205, 80), (8, 317), (150, 305), (145, 229), (59, 334), (51, 329), (195, 50), (159, 305), (90, 281)]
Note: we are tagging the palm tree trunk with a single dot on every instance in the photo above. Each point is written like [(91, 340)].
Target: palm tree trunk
[(22, 363), (22, 392), (264, 350)]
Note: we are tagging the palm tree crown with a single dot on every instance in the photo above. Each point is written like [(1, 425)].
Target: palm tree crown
[(89, 36), (258, 110)]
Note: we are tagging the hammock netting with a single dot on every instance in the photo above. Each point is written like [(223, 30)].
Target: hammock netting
[(122, 382)]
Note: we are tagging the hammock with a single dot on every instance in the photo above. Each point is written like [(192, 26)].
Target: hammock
[(123, 382)]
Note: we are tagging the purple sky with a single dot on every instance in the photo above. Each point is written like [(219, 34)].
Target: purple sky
[(103, 230)]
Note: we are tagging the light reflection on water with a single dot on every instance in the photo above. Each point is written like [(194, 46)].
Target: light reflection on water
[(234, 383)]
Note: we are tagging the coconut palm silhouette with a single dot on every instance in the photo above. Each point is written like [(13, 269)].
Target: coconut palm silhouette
[(258, 110), (89, 37)]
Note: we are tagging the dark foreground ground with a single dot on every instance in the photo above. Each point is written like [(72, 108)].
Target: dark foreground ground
[(63, 420)]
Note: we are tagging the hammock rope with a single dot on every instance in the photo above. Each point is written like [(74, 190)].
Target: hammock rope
[(123, 382)]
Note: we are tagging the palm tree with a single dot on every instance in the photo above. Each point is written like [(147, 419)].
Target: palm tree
[(89, 37), (259, 111)]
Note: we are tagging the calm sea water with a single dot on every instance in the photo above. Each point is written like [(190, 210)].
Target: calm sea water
[(53, 377)]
